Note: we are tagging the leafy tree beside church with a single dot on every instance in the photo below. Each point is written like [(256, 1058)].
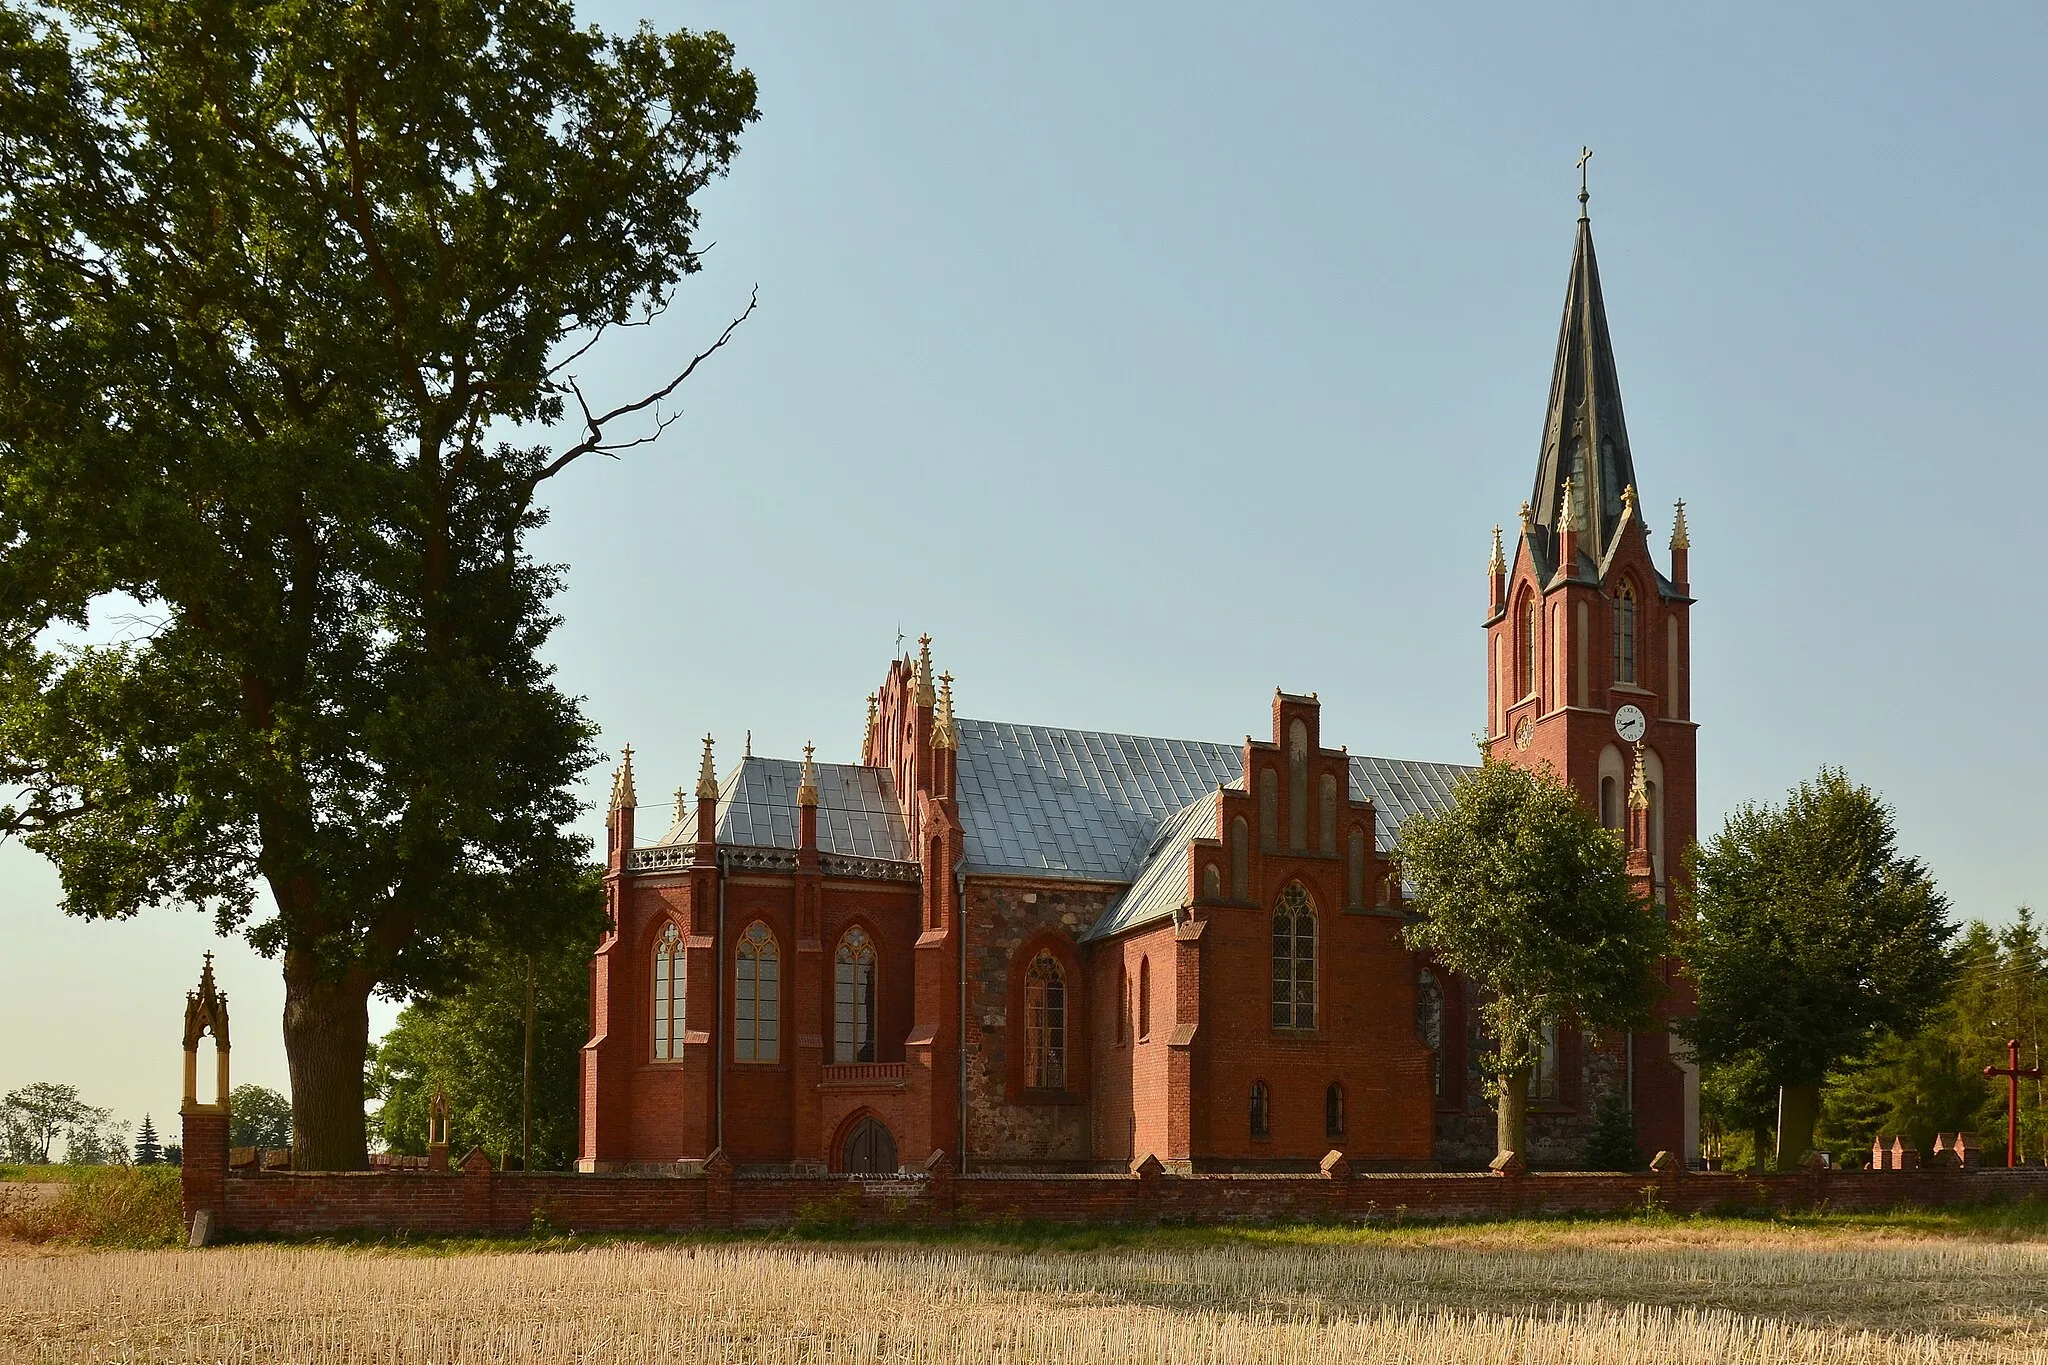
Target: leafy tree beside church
[(1810, 936), (285, 294), (1520, 890)]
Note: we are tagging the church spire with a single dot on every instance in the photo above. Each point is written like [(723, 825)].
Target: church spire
[(1585, 439)]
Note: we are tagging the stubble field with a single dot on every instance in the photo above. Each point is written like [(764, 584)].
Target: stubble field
[(1621, 1292)]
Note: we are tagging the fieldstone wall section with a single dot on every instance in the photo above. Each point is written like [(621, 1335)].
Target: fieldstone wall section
[(1007, 924)]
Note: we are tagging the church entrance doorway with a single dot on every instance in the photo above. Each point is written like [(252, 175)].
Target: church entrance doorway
[(870, 1150)]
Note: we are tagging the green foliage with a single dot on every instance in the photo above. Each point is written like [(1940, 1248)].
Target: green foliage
[(1916, 1085), (259, 1117), (35, 1118), (1738, 1101), (106, 1206), (1612, 1145), (280, 289), (148, 1151), (1809, 932), (1520, 891), (470, 1042)]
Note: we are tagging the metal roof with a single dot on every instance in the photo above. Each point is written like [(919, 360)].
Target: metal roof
[(1037, 801), (1162, 884), (1088, 805), (858, 814)]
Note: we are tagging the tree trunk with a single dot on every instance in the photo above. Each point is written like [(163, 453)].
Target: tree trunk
[(1511, 1115), (1798, 1108), (326, 1042)]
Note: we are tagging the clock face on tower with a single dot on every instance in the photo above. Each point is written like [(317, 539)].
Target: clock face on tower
[(1630, 724)]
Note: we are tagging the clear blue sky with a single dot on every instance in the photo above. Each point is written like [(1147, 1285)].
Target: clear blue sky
[(1152, 359)]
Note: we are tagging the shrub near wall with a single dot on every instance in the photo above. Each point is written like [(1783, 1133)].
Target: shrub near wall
[(112, 1206)]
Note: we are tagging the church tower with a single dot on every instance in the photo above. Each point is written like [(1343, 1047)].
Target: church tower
[(1588, 652)]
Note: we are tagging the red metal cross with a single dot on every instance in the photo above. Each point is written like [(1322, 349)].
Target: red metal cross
[(2013, 1074)]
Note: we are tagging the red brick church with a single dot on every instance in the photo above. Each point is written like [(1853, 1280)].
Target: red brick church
[(1056, 949)]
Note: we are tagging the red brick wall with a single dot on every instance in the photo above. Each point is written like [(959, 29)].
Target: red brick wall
[(497, 1202)]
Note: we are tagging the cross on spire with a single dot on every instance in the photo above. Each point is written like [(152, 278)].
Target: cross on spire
[(1585, 155)]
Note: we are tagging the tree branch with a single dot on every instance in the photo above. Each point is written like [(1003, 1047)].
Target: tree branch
[(594, 424)]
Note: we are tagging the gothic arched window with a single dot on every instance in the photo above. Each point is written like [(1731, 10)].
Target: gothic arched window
[(757, 997), (1625, 634), (1294, 960), (1262, 1116), (1333, 1111), (1144, 998), (668, 995), (1429, 1021), (1527, 646), (1045, 1025), (1543, 1077), (853, 999)]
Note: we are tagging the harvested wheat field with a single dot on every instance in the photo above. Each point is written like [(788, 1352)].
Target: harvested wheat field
[(1584, 1295)]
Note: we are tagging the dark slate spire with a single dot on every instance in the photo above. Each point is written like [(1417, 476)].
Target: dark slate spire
[(1585, 438)]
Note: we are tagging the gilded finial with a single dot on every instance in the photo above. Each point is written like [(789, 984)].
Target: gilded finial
[(1499, 562), (925, 696), (807, 787), (1639, 786), (944, 736), (1628, 502), (682, 806), (707, 781), (1569, 517), (1680, 538), (1528, 519), (867, 741), (622, 782)]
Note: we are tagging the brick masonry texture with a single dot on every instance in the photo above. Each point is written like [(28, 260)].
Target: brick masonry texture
[(420, 1203)]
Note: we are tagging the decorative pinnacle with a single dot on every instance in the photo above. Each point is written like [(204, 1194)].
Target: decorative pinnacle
[(924, 671), (807, 788), (1569, 518), (682, 806), (1628, 502), (944, 736), (867, 741), (1528, 519), (1499, 562), (707, 779), (1639, 786), (1680, 538), (622, 782)]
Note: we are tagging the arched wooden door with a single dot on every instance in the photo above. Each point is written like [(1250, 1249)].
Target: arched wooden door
[(870, 1150)]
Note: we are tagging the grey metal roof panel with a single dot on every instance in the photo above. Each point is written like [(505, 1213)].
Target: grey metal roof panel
[(1161, 887), (1088, 804), (858, 814)]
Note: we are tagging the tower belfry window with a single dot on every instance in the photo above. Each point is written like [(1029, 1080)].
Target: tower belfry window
[(1625, 634)]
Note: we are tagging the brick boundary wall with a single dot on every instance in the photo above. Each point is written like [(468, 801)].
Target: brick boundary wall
[(481, 1201)]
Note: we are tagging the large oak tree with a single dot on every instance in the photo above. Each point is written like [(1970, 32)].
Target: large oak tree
[(290, 295)]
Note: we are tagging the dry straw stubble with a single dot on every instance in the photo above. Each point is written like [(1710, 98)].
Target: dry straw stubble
[(1945, 1302)]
